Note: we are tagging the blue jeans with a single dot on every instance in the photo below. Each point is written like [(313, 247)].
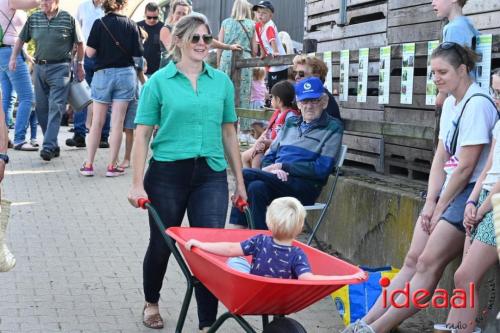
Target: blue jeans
[(33, 122), (263, 187), (173, 188), (16, 82), (80, 117), (51, 89)]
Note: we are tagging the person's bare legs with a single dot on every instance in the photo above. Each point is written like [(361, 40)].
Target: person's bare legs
[(409, 268), (479, 259), (444, 244), (246, 157), (257, 160), (118, 110), (129, 142), (98, 119)]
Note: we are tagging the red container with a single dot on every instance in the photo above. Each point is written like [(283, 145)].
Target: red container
[(247, 294)]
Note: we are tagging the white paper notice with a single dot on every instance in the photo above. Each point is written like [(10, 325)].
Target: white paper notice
[(430, 86), (483, 67), (362, 74), (384, 75), (344, 76), (327, 58), (407, 73)]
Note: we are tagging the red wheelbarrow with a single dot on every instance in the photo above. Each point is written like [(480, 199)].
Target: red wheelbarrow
[(247, 294)]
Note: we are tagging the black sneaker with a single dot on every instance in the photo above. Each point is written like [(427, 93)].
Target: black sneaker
[(57, 152), (104, 144), (47, 154), (76, 141)]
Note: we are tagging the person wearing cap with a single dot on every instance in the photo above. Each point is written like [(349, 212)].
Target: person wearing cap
[(269, 41), (299, 160)]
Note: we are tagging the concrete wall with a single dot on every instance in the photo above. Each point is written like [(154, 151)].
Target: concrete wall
[(371, 223)]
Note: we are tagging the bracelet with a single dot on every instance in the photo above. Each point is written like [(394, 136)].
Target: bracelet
[(80, 62), (471, 202)]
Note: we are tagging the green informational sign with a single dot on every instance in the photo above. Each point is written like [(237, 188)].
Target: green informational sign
[(384, 75), (430, 86), (344, 75), (407, 72), (362, 75), (327, 58), (483, 67)]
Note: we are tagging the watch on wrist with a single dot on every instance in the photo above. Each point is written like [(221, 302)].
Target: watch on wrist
[(5, 158)]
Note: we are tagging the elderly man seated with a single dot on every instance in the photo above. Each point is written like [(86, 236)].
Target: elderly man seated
[(299, 160)]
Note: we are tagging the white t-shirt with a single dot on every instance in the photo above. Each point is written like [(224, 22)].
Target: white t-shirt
[(476, 124), (265, 35), (86, 14), (493, 174)]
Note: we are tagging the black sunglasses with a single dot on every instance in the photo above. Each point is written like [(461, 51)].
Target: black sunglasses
[(207, 38), (299, 73), (152, 17)]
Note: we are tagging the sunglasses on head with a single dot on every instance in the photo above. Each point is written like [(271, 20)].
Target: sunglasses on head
[(207, 38), (299, 73), (455, 47), (152, 17)]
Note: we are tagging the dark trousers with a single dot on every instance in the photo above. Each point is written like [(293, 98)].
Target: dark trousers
[(263, 187), (173, 188)]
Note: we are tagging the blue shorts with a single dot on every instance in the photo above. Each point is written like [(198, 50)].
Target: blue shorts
[(129, 122), (454, 214), (240, 264), (114, 84)]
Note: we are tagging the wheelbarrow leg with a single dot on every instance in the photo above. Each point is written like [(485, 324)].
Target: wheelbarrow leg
[(239, 319), (190, 279)]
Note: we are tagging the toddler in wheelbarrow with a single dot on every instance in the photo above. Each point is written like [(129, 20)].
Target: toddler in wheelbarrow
[(267, 273)]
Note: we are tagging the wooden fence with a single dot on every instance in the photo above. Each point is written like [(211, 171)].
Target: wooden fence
[(394, 139)]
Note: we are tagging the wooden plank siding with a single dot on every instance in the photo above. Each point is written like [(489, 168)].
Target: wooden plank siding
[(404, 131)]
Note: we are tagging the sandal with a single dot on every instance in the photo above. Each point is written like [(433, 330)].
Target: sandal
[(25, 147), (154, 320)]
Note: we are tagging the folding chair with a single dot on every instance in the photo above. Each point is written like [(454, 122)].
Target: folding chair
[(323, 206)]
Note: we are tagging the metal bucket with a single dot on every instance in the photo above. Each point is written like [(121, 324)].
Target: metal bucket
[(79, 95)]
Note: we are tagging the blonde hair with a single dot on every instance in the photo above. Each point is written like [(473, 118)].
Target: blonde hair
[(299, 59), (258, 73), (241, 10), (285, 218), (184, 31), (173, 6)]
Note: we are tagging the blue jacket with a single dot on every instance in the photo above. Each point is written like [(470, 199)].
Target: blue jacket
[(307, 151)]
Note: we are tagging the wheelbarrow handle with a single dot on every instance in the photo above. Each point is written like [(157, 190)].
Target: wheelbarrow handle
[(241, 204), (142, 202)]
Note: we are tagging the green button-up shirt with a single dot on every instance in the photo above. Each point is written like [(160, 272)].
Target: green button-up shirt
[(190, 122), (54, 38)]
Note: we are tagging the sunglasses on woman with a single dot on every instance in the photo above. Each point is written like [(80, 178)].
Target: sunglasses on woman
[(299, 73), (207, 38)]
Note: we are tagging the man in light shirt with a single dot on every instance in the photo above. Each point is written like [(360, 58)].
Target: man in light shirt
[(88, 11)]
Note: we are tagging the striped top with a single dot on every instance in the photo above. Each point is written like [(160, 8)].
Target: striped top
[(54, 38)]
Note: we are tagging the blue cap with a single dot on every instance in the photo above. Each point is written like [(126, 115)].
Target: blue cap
[(264, 4), (309, 88)]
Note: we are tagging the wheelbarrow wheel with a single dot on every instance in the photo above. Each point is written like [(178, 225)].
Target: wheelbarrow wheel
[(284, 325)]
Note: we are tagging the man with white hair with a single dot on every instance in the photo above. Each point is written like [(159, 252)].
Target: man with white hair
[(55, 33)]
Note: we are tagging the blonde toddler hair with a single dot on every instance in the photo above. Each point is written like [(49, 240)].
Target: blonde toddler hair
[(258, 73), (285, 218)]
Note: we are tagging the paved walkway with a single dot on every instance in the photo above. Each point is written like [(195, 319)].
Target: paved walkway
[(79, 247)]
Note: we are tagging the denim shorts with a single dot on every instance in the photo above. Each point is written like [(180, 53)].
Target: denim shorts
[(129, 122), (454, 214), (114, 84)]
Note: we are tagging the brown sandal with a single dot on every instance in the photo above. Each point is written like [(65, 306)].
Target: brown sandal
[(154, 321)]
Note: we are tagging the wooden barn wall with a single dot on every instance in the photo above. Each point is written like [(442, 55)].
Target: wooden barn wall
[(379, 23), (289, 14)]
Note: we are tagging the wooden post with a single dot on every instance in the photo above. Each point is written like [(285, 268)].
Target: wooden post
[(236, 77)]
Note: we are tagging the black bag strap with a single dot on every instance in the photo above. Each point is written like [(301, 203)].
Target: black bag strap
[(454, 138), (117, 43), (246, 33), (8, 25)]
